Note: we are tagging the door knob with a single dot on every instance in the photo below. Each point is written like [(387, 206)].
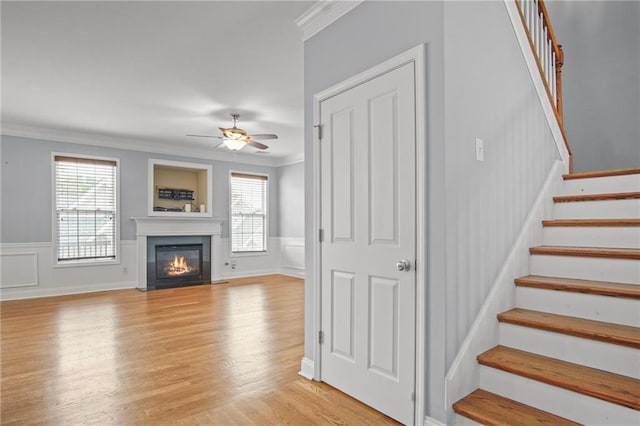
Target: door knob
[(403, 265)]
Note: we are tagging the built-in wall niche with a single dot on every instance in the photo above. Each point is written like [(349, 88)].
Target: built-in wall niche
[(179, 188)]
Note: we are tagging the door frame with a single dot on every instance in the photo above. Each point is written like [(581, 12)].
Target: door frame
[(416, 56)]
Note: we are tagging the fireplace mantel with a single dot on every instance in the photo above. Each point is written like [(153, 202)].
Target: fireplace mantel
[(148, 226), (155, 225)]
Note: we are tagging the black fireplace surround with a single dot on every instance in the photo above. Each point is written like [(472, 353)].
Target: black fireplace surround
[(178, 261)]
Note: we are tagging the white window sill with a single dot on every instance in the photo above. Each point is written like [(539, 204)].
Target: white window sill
[(249, 253), (81, 263)]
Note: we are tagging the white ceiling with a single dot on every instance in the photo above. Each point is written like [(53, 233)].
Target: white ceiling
[(146, 74)]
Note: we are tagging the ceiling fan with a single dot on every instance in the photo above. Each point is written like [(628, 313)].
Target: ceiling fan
[(235, 138)]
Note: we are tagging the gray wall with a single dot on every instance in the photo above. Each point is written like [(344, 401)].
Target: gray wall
[(372, 33), (291, 198), (26, 206), (478, 85), (601, 80)]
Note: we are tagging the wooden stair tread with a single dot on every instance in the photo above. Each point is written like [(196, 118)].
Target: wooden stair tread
[(601, 173), (592, 222), (614, 388), (614, 253), (624, 335), (596, 197), (494, 410), (602, 288)]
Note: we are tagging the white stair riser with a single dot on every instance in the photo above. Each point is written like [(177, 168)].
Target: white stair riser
[(608, 209), (616, 310), (620, 237), (603, 185), (561, 402), (604, 356), (587, 268)]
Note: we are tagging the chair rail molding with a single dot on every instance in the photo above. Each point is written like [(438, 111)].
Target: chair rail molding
[(322, 14)]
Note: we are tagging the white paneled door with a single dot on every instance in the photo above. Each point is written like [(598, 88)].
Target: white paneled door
[(368, 218)]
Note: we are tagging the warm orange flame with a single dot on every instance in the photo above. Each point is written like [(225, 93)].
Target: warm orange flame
[(179, 266)]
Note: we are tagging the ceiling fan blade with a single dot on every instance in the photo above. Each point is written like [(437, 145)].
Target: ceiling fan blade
[(206, 136), (264, 136), (256, 144)]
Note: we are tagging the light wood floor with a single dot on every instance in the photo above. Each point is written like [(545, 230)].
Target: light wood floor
[(223, 354)]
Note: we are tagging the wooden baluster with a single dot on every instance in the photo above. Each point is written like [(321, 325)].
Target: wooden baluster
[(549, 56)]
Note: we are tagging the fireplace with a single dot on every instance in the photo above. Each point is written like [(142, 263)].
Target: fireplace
[(176, 261)]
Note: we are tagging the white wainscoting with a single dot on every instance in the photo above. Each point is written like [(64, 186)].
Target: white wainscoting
[(463, 376), (28, 271), (284, 256), (292, 257)]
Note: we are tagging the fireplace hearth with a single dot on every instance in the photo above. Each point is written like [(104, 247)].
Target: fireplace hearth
[(178, 261)]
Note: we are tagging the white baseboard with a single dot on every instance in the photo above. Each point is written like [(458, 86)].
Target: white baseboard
[(31, 293), (430, 421), (291, 272), (463, 376), (306, 368), (248, 274)]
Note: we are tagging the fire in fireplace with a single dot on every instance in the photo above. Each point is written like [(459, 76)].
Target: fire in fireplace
[(178, 266), (178, 261)]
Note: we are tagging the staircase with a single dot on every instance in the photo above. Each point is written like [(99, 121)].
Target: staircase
[(569, 353)]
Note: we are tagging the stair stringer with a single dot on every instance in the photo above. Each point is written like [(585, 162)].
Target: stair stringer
[(462, 377)]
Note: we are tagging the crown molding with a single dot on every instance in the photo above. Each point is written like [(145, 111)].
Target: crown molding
[(322, 14), (291, 159), (141, 145)]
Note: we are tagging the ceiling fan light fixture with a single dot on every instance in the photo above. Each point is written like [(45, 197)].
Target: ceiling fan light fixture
[(234, 144)]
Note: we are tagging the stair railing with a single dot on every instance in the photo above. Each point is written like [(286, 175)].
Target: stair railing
[(549, 56)]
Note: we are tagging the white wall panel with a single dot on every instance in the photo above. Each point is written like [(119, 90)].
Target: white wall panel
[(18, 269)]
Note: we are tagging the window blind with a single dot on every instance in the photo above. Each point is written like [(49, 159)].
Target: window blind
[(248, 213), (85, 208)]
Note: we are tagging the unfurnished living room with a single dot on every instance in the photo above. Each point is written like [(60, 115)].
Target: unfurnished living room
[(320, 212)]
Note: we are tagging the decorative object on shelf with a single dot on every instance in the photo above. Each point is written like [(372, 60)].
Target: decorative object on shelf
[(166, 209), (235, 138), (175, 194)]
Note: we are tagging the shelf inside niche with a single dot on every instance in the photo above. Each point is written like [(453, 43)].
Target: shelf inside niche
[(171, 183)]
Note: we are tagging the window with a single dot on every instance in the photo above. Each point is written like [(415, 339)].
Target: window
[(85, 205), (248, 213)]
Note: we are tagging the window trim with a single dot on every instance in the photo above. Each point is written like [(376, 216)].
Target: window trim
[(55, 263), (266, 216)]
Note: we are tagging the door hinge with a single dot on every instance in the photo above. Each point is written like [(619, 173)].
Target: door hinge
[(319, 127), (321, 337), (321, 235), (413, 397)]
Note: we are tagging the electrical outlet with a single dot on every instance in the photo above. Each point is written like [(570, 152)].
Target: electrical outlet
[(479, 149), (125, 270)]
